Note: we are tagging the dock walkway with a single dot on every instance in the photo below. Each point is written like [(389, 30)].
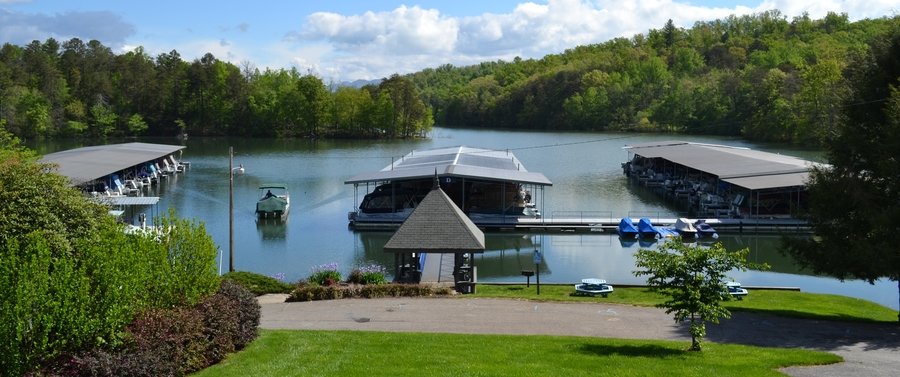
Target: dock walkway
[(438, 268), (608, 224)]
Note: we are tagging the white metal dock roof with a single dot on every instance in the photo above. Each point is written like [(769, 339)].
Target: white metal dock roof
[(464, 162), (743, 167), (89, 163)]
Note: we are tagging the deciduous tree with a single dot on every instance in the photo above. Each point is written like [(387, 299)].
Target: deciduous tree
[(693, 279), (854, 207)]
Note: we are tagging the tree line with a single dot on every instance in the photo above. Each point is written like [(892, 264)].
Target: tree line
[(75, 89), (758, 76), (762, 77)]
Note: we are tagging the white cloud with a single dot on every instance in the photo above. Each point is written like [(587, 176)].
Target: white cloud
[(402, 31), (372, 45), (22, 28)]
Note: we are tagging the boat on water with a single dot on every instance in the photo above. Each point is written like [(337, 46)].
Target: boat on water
[(646, 229), (492, 187), (684, 227), (274, 201), (626, 229), (705, 230)]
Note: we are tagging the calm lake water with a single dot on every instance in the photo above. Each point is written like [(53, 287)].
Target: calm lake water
[(584, 168)]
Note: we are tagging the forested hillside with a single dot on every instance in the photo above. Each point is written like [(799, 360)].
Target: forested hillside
[(760, 76), (78, 89)]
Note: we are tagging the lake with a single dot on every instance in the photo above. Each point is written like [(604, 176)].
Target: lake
[(585, 169)]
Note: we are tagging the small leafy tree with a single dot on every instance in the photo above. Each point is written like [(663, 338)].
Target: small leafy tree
[(136, 124), (693, 279)]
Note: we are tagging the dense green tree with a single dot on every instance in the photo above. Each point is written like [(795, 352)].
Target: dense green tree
[(171, 78), (854, 209), (409, 110), (103, 119), (136, 125), (692, 277), (352, 110), (315, 104), (32, 200), (759, 76), (383, 115), (136, 86), (27, 111)]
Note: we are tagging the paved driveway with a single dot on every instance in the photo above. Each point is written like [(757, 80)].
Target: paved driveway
[(868, 349)]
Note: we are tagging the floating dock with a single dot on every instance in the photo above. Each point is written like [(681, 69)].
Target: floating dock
[(598, 224)]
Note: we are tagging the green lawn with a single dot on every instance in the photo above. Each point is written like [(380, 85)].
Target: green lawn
[(357, 353), (783, 303)]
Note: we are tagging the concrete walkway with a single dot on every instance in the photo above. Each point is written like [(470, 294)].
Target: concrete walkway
[(868, 349)]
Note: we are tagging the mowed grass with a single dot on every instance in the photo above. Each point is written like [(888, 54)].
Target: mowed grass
[(357, 353), (777, 302)]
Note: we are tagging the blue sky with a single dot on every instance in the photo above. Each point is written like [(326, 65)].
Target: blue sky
[(349, 40)]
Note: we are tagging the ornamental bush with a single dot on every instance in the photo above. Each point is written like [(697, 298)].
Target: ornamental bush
[(314, 292), (248, 313), (172, 342), (259, 284)]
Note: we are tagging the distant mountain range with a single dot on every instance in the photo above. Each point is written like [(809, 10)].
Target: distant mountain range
[(360, 83)]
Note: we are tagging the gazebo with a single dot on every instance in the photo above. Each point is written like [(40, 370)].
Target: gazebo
[(437, 226)]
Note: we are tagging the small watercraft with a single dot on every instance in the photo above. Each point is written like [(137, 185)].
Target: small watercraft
[(646, 229), (626, 229), (684, 227), (705, 230), (275, 201)]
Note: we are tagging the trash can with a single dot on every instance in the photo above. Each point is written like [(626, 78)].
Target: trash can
[(465, 287)]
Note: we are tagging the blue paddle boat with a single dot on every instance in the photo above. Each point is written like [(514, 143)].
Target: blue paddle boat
[(627, 229)]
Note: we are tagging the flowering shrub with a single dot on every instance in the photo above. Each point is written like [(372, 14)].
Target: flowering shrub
[(325, 274), (311, 292), (369, 274)]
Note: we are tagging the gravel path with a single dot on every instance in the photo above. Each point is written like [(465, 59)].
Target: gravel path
[(868, 349)]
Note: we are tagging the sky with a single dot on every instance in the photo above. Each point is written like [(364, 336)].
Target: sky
[(365, 40)]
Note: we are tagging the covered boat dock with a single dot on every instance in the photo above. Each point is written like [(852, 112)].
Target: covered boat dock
[(117, 174), (492, 187), (87, 164), (720, 181)]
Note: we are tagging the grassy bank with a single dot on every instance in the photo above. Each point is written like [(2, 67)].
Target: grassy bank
[(344, 353), (783, 303)]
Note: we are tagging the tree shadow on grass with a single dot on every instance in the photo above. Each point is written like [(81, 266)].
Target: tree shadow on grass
[(648, 350)]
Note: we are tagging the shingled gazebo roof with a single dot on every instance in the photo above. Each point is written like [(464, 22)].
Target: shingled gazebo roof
[(437, 225)]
